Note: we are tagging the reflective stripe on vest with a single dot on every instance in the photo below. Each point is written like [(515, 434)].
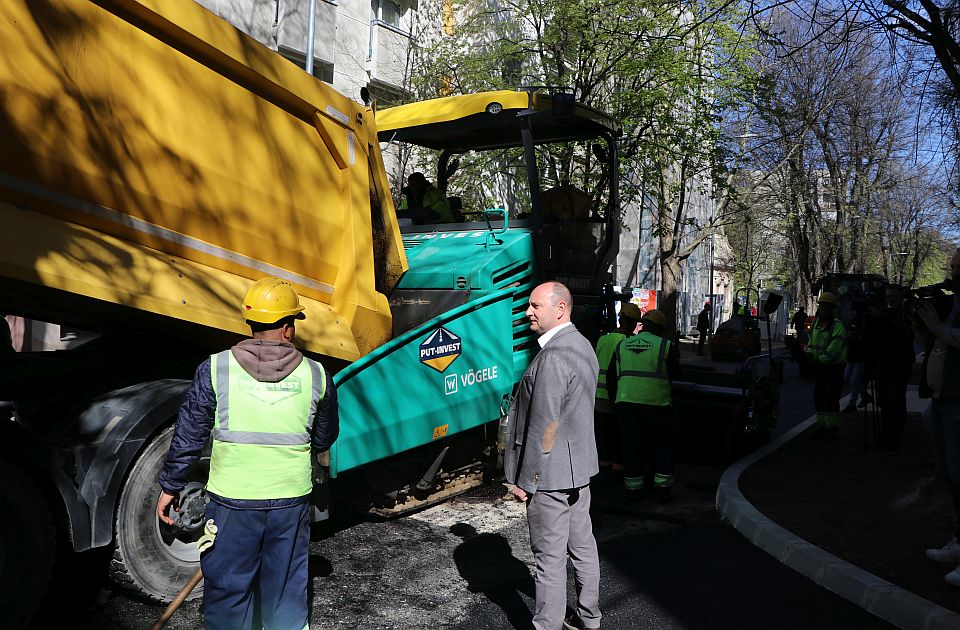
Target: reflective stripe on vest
[(262, 431), (642, 370), (606, 346)]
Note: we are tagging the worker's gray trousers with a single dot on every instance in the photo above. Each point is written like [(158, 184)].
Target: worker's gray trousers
[(559, 524)]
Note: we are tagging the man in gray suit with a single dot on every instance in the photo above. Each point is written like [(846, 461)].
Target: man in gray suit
[(550, 456)]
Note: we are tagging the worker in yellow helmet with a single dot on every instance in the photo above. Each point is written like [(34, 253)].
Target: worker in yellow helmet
[(269, 410), (639, 382), (604, 415), (827, 350)]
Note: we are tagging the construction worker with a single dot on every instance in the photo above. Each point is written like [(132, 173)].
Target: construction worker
[(423, 202), (269, 410), (604, 414), (827, 350), (638, 381)]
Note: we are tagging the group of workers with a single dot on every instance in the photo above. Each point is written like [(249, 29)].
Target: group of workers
[(633, 409), (877, 345), (269, 411), (889, 336)]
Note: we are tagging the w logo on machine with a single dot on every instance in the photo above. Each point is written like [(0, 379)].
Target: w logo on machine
[(440, 349)]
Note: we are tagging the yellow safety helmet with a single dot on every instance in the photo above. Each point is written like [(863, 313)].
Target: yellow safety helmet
[(827, 298), (631, 311), (654, 317), (271, 299)]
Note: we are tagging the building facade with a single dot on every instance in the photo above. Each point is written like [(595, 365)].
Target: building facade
[(356, 43)]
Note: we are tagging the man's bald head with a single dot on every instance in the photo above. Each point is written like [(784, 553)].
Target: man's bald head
[(560, 293), (550, 306)]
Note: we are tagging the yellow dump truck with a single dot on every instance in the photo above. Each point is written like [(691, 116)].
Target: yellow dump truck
[(154, 161)]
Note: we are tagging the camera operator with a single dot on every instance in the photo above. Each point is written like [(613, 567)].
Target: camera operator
[(894, 366), (941, 341)]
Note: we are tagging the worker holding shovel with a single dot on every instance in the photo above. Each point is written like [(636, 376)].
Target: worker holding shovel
[(268, 409)]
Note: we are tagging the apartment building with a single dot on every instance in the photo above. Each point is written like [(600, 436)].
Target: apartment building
[(356, 43)]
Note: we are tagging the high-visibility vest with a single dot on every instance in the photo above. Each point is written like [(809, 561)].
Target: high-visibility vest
[(262, 431), (606, 346), (828, 346), (642, 370)]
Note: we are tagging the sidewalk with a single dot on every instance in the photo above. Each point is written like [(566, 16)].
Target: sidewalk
[(853, 519)]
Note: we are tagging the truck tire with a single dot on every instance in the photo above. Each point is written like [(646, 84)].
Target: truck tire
[(27, 547), (151, 558)]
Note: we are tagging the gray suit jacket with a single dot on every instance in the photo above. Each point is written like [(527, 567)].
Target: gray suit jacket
[(550, 443)]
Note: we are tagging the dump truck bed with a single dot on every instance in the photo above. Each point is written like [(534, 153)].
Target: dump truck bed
[(154, 161)]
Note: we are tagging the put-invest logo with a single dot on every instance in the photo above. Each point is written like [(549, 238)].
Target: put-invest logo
[(440, 349)]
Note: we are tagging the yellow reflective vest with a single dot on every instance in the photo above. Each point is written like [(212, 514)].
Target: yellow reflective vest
[(606, 346), (433, 200), (828, 346), (642, 376), (262, 431)]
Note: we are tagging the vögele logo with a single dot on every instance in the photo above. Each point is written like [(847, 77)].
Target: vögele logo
[(450, 384)]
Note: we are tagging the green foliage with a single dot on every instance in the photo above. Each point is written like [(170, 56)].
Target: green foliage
[(666, 70), (936, 266)]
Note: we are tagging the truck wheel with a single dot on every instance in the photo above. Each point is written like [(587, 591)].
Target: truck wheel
[(150, 557), (27, 547)]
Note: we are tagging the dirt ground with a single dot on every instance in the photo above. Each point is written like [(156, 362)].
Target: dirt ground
[(879, 511)]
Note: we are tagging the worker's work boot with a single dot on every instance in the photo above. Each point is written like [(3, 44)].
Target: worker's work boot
[(865, 400), (663, 487), (634, 484), (949, 553)]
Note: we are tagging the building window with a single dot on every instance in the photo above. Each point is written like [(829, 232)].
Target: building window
[(386, 12), (322, 70), (387, 95)]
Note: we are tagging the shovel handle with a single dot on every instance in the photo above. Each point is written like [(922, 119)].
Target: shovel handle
[(178, 600)]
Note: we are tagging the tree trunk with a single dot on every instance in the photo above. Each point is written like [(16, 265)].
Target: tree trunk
[(667, 298)]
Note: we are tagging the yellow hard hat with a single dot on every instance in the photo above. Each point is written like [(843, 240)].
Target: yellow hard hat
[(827, 298), (271, 299), (631, 311), (655, 317)]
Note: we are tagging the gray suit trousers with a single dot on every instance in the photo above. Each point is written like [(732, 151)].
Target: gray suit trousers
[(559, 522)]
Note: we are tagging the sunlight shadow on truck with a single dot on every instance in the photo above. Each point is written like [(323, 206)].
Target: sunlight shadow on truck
[(206, 162)]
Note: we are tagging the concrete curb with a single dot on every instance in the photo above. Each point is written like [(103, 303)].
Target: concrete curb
[(877, 596)]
